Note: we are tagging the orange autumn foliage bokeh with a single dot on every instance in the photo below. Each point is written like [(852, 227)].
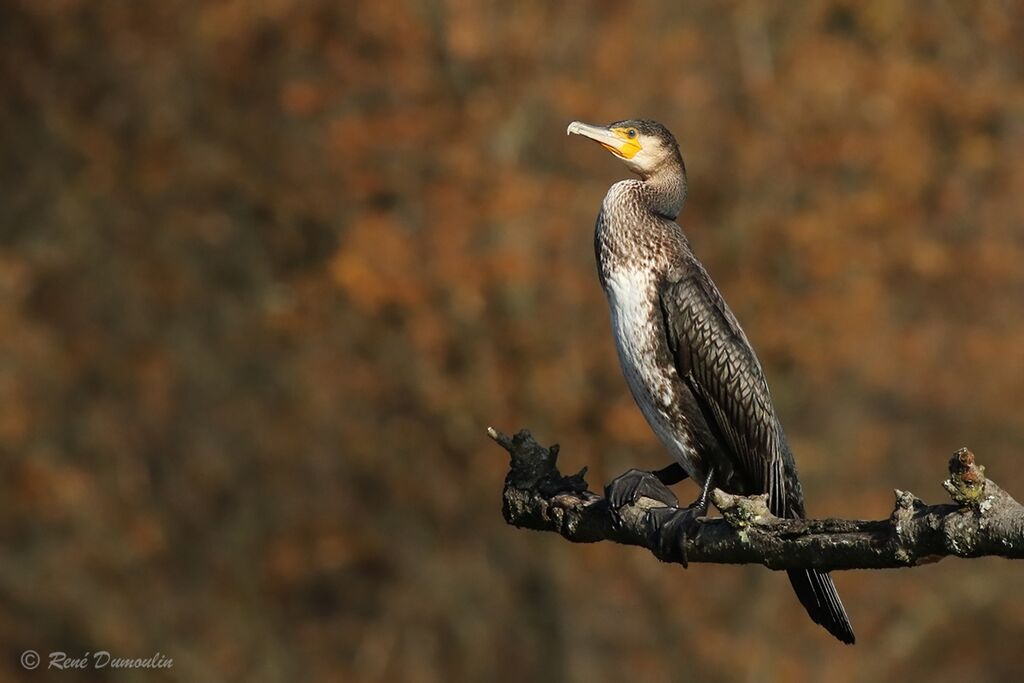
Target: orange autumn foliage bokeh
[(268, 270)]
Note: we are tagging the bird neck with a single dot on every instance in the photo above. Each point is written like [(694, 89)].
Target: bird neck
[(666, 189)]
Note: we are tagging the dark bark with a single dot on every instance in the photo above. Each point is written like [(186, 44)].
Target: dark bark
[(982, 520)]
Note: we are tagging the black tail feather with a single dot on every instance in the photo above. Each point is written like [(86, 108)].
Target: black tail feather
[(819, 597)]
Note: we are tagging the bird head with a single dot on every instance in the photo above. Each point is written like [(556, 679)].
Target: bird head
[(646, 147)]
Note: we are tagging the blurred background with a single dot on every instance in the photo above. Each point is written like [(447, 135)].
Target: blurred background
[(269, 269)]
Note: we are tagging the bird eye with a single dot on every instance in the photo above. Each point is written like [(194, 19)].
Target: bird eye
[(631, 132)]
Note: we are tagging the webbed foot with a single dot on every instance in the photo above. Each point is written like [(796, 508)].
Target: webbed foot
[(668, 529), (628, 488)]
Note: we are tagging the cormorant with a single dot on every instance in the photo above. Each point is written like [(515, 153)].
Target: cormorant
[(686, 360)]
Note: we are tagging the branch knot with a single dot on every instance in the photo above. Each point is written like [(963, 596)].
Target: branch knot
[(966, 483), (743, 511)]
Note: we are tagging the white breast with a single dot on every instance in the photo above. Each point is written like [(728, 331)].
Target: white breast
[(637, 329), (630, 295)]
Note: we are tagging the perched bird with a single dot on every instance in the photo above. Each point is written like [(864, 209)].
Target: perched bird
[(686, 360)]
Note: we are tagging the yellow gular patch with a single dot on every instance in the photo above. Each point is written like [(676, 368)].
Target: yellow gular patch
[(629, 146)]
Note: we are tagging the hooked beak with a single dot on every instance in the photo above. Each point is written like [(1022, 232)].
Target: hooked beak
[(615, 141)]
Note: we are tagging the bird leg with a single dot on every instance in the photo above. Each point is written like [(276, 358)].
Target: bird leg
[(669, 526), (627, 488)]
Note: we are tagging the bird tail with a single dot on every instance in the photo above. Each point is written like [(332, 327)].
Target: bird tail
[(819, 597)]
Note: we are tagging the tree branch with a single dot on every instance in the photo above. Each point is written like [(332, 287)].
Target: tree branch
[(984, 520)]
